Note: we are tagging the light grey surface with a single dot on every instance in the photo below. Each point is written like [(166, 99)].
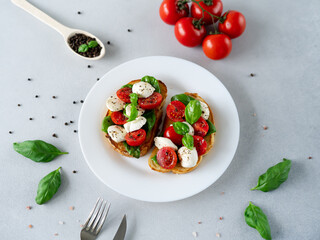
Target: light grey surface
[(280, 45)]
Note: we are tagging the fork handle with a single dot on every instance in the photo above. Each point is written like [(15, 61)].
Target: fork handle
[(28, 7)]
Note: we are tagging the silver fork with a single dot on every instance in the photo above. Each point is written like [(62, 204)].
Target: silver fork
[(95, 221)]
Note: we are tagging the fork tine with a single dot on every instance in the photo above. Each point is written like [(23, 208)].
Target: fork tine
[(95, 213), (101, 210), (103, 219), (90, 214)]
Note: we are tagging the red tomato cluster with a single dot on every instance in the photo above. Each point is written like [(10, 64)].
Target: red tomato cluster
[(191, 31)]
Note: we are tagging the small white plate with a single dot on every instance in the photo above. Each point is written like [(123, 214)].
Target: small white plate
[(133, 177)]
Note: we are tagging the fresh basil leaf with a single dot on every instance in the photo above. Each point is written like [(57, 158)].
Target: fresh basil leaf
[(107, 122), (255, 218), (193, 111), (48, 186), (185, 99), (187, 141), (37, 150), (151, 120), (133, 151), (180, 128), (154, 82), (83, 48), (134, 104), (92, 44), (274, 176), (127, 85), (154, 159), (212, 128)]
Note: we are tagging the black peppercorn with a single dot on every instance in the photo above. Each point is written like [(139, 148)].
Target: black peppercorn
[(74, 171), (79, 12), (54, 135), (66, 123), (81, 101), (74, 131), (30, 119), (108, 43), (19, 105), (98, 79), (89, 66), (29, 79), (36, 96), (53, 96), (71, 121), (252, 74), (129, 30), (10, 132), (74, 102)]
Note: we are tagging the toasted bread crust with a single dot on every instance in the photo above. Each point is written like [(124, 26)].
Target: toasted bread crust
[(178, 169), (148, 143)]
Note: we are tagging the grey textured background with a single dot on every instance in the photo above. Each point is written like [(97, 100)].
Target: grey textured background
[(280, 45)]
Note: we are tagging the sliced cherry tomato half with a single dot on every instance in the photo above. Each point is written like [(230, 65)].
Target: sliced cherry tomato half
[(175, 111), (201, 127), (171, 11), (118, 118), (150, 102), (136, 138), (167, 157), (215, 8), (124, 94), (200, 144), (173, 136)]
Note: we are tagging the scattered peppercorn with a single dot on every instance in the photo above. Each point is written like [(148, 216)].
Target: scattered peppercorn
[(309, 157), (74, 171), (108, 42), (71, 121), (98, 79), (54, 135), (89, 66), (19, 105), (10, 132), (66, 123), (52, 116), (74, 102), (53, 96), (79, 12), (81, 101), (252, 74), (29, 79), (74, 131), (129, 30), (30, 119), (36, 96)]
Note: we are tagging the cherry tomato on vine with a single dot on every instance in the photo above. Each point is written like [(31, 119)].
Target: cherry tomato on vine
[(233, 25), (189, 32), (214, 7), (172, 10), (217, 46)]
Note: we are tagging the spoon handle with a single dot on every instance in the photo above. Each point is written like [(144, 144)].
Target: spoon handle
[(63, 30)]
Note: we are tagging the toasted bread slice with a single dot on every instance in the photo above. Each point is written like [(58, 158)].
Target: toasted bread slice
[(148, 143), (178, 168)]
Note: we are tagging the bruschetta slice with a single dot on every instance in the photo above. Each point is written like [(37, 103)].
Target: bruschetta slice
[(134, 116), (188, 135)]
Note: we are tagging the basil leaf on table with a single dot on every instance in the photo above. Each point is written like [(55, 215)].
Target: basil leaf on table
[(255, 218), (133, 151), (180, 128), (127, 85), (48, 186), (154, 159), (92, 44), (154, 82), (212, 128), (107, 122), (193, 111), (274, 176), (187, 141), (151, 120), (83, 48), (134, 104), (37, 150), (185, 99)]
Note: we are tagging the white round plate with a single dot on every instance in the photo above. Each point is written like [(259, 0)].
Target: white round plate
[(133, 177)]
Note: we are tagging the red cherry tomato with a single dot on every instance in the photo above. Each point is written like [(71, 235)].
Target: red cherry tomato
[(187, 34), (234, 24), (136, 138), (167, 157), (200, 144), (170, 12), (118, 118), (123, 94), (215, 9), (173, 136), (175, 111), (200, 127), (150, 102), (217, 46)]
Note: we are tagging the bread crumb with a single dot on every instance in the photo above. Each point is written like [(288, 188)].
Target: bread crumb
[(30, 226), (310, 157), (71, 208), (199, 222), (195, 234), (28, 207), (221, 218), (222, 193), (218, 235), (56, 234), (265, 127)]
